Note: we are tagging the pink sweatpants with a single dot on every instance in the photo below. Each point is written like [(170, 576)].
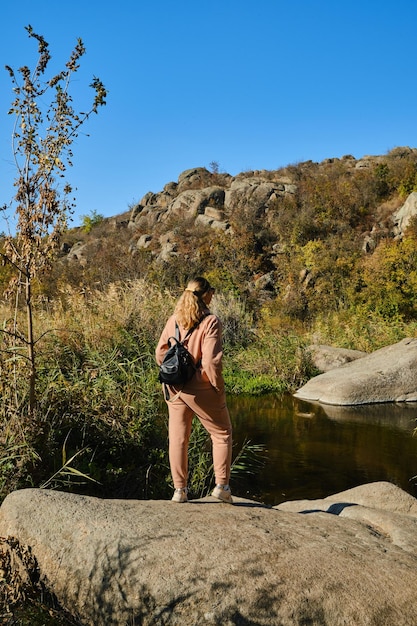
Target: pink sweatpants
[(211, 409)]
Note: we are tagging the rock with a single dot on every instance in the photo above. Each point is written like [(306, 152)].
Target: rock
[(225, 226), (326, 358), (250, 192), (402, 217), (168, 250), (192, 202), (210, 199), (213, 196), (378, 233), (196, 177), (149, 217), (186, 203), (144, 241), (148, 199), (118, 224), (193, 173), (265, 282), (290, 189), (382, 496), (78, 253), (113, 562), (279, 248), (369, 244), (205, 220), (168, 237), (386, 375), (214, 213), (384, 507), (170, 188)]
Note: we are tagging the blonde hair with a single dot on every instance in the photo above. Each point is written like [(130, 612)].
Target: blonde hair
[(190, 307)]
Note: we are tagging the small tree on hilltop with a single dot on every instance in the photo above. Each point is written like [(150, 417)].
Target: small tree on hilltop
[(42, 137)]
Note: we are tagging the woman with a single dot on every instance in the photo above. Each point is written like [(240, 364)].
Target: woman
[(203, 395)]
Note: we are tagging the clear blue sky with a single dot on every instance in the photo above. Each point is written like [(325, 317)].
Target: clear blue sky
[(251, 85)]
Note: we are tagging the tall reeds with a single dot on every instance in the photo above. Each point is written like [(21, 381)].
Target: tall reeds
[(100, 424)]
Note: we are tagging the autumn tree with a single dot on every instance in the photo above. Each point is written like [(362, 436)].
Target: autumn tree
[(46, 125)]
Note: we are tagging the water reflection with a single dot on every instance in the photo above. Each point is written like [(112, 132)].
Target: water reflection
[(314, 450)]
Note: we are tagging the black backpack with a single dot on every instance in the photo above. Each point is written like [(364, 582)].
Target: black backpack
[(178, 366)]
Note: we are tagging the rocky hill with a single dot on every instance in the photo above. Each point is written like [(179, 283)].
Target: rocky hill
[(254, 231)]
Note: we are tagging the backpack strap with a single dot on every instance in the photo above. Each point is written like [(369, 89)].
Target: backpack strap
[(189, 331)]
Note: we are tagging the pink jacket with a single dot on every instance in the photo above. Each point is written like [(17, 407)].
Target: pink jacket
[(205, 344)]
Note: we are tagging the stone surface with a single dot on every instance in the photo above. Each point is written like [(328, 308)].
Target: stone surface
[(386, 375), (116, 562), (402, 217), (326, 358), (385, 508)]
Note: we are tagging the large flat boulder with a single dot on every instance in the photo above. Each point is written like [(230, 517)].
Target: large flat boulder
[(114, 562), (386, 508), (386, 375)]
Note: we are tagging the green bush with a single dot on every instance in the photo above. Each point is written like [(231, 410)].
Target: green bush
[(274, 361), (389, 280), (90, 221), (360, 328)]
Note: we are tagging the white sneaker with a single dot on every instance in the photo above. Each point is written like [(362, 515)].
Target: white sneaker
[(223, 493), (180, 495)]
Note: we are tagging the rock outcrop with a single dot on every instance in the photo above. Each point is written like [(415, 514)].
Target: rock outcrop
[(405, 213), (326, 358), (201, 199), (198, 193), (386, 375), (113, 562)]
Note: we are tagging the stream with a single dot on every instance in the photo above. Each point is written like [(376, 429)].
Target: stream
[(312, 450)]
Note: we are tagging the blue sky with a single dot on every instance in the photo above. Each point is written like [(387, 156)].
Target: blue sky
[(250, 85)]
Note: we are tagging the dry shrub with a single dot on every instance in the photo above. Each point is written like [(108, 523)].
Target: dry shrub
[(19, 574), (360, 328), (237, 321), (98, 314)]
